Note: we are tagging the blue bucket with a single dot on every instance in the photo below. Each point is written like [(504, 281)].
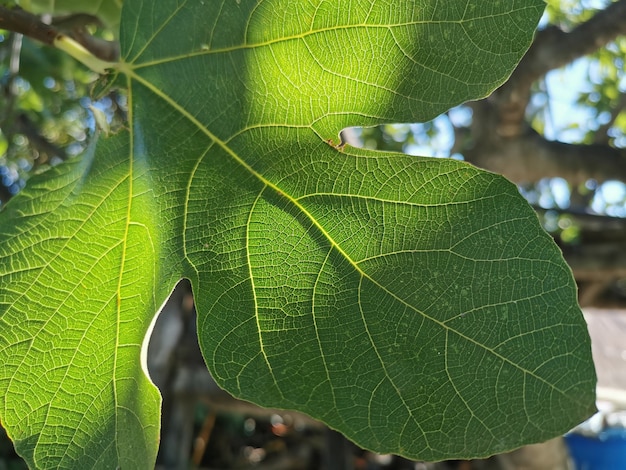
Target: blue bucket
[(606, 451)]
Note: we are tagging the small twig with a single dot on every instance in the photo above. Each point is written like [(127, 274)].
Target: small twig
[(200, 443)]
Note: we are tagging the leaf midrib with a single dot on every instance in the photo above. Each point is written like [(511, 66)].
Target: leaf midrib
[(130, 72)]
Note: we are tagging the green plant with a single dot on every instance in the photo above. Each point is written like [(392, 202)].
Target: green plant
[(414, 304)]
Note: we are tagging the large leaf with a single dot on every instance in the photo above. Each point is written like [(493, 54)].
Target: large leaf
[(414, 304)]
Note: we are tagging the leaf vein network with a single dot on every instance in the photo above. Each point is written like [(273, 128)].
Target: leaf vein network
[(315, 327), (156, 32), (460, 395), (69, 293), (176, 106), (186, 207), (266, 43), (382, 362), (254, 291)]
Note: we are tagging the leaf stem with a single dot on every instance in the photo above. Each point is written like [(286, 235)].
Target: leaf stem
[(80, 53)]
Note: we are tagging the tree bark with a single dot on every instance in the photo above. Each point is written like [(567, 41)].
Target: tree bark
[(21, 21)]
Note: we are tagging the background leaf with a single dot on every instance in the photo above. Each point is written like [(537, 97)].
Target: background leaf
[(414, 304)]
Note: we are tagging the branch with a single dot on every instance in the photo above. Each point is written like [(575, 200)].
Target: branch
[(20, 21), (603, 262), (527, 157), (554, 48), (93, 52), (530, 158), (596, 228)]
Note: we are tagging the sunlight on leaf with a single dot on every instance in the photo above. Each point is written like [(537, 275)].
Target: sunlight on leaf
[(414, 304)]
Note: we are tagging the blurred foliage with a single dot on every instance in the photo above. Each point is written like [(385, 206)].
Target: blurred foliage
[(44, 115), (569, 13)]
